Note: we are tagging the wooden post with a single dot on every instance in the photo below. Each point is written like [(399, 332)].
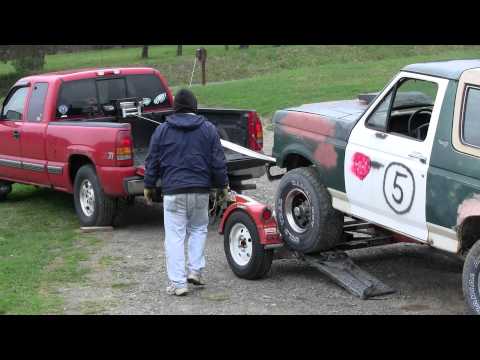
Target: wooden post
[(145, 52), (202, 57), (204, 69)]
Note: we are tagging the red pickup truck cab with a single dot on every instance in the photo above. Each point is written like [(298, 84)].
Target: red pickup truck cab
[(57, 130)]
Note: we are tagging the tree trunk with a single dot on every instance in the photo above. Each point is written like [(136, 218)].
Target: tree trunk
[(145, 52), (179, 50)]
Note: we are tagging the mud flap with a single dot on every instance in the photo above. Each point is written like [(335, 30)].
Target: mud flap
[(339, 267)]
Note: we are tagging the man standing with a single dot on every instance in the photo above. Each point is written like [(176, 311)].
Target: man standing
[(186, 154)]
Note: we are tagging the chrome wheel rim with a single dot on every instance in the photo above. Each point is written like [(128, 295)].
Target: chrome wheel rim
[(240, 244), (298, 210), (87, 198)]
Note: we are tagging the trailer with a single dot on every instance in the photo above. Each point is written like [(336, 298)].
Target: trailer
[(252, 242)]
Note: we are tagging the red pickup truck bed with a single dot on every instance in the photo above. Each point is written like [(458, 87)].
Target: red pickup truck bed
[(54, 125)]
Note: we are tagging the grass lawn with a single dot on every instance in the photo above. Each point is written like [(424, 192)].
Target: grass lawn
[(39, 249), (334, 81)]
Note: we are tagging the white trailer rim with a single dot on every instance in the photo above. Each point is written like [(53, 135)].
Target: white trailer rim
[(240, 244)]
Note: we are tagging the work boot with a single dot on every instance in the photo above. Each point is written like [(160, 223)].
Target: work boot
[(195, 279), (178, 291)]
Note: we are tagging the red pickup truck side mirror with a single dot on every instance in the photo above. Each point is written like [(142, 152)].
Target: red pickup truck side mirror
[(11, 115)]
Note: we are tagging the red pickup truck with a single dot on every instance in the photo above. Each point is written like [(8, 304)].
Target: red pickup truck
[(60, 130)]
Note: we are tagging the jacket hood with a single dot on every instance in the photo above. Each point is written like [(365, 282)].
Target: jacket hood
[(185, 122)]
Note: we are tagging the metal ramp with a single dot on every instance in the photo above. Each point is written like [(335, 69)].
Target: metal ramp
[(340, 268)]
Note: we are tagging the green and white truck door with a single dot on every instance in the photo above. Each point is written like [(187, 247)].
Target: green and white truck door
[(385, 172)]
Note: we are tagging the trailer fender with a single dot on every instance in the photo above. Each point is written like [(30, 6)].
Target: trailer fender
[(266, 227)]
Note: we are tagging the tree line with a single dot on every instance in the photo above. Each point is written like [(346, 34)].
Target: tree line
[(29, 58)]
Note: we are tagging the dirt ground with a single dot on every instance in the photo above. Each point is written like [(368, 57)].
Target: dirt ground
[(128, 277)]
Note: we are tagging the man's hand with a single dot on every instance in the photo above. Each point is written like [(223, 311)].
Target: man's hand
[(148, 194), (223, 196)]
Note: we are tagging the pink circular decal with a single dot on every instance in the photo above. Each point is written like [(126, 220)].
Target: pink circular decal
[(360, 165)]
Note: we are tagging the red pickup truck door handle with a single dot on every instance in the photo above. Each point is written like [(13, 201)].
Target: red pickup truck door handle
[(16, 134)]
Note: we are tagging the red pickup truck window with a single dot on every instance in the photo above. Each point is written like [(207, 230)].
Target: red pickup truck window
[(37, 102), (15, 103), (84, 98), (111, 89), (78, 99), (148, 87)]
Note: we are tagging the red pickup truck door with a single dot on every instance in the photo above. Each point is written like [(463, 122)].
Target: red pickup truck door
[(10, 133), (33, 136)]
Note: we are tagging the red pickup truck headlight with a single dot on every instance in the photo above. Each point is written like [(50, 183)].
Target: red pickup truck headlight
[(124, 149)]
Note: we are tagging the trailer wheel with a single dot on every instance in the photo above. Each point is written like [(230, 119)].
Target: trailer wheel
[(93, 207), (247, 258), (305, 216), (471, 279), (5, 189)]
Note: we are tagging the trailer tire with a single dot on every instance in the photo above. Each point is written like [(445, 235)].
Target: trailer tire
[(5, 189), (305, 216), (93, 206), (471, 279), (245, 265)]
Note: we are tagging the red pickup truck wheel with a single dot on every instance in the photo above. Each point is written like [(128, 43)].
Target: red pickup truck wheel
[(305, 216), (471, 279), (93, 207)]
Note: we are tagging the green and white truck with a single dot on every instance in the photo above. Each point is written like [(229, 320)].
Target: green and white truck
[(406, 159)]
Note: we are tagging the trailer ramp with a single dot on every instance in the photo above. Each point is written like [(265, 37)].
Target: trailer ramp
[(339, 267)]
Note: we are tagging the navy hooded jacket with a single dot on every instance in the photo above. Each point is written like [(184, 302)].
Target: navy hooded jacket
[(186, 154)]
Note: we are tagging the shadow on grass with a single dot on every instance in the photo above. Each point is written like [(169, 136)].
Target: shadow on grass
[(139, 214), (23, 193)]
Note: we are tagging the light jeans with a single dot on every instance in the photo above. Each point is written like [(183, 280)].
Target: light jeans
[(185, 216)]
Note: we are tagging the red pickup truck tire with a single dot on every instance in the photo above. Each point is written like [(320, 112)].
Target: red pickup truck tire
[(305, 216), (5, 189), (93, 207)]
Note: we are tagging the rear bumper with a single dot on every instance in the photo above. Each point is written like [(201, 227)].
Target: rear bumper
[(112, 179), (248, 173), (133, 185)]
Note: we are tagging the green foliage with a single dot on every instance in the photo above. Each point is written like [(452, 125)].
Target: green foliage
[(321, 82), (26, 64), (25, 58)]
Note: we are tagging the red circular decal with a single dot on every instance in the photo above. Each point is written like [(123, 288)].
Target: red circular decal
[(360, 165)]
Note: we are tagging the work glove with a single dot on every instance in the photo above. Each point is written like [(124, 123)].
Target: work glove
[(148, 194), (223, 195)]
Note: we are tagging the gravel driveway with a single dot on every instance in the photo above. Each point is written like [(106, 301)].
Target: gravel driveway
[(128, 277)]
